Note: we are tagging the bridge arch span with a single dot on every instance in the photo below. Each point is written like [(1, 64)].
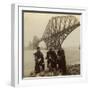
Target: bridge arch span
[(57, 30), (72, 39)]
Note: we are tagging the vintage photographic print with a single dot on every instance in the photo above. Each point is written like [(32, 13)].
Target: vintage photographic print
[(51, 43)]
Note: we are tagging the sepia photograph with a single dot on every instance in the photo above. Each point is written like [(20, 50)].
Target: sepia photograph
[(50, 44)]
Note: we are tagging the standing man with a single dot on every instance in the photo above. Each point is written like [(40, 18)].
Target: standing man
[(39, 61), (61, 60), (51, 60)]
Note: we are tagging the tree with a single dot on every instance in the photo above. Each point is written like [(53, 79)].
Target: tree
[(35, 42)]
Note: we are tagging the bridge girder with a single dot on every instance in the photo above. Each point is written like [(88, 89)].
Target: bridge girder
[(57, 29)]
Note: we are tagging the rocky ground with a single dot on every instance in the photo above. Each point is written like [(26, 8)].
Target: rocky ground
[(71, 70)]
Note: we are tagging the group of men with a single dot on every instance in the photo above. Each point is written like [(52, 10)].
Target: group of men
[(55, 61)]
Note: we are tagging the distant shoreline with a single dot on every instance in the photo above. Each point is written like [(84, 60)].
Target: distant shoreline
[(26, 48)]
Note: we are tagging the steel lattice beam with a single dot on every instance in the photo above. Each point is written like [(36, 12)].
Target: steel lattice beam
[(57, 29)]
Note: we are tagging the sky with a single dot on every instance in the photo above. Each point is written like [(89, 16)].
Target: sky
[(35, 24)]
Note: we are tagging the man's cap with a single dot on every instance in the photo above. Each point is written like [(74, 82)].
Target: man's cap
[(38, 47)]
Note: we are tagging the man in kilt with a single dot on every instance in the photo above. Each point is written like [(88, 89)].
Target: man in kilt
[(39, 61), (61, 62), (51, 60)]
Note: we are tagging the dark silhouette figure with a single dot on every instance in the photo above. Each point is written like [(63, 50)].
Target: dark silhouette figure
[(61, 62), (51, 59), (39, 61)]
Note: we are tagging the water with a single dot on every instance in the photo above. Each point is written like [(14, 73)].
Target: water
[(72, 57)]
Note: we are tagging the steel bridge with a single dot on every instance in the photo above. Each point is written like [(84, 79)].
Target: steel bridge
[(57, 30)]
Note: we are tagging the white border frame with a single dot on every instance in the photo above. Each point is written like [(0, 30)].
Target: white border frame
[(16, 54)]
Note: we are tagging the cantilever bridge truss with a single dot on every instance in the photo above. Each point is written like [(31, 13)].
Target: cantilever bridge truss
[(57, 29)]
